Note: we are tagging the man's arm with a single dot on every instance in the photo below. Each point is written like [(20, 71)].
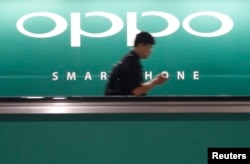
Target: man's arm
[(145, 87)]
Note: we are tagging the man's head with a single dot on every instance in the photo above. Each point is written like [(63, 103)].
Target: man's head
[(143, 44)]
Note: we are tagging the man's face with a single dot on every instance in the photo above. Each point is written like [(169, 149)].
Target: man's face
[(145, 50)]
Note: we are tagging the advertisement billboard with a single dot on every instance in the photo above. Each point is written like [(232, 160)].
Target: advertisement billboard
[(68, 48)]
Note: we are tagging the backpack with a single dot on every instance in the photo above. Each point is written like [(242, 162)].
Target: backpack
[(113, 87)]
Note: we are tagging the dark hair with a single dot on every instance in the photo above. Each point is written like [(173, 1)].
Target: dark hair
[(144, 38)]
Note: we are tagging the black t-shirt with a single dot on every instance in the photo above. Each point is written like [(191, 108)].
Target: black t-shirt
[(125, 76)]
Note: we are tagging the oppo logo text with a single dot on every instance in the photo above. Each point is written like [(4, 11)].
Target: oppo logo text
[(117, 24)]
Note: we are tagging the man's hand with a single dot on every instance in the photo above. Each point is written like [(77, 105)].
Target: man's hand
[(160, 79), (145, 87)]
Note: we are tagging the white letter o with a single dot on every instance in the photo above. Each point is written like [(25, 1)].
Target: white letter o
[(226, 24), (61, 25)]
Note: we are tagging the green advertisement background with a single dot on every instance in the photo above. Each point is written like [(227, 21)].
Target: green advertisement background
[(27, 64), (119, 139)]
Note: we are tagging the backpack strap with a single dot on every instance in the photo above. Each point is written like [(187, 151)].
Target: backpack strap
[(113, 86)]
